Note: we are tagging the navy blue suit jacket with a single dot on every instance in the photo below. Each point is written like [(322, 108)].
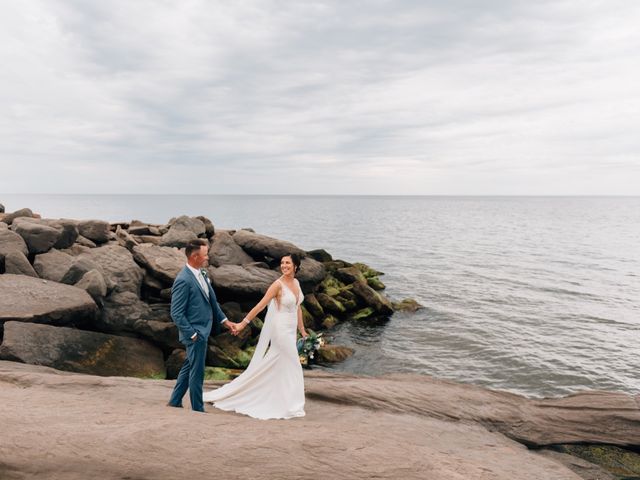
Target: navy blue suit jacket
[(191, 310)]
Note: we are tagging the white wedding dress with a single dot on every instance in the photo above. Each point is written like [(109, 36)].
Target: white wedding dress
[(272, 386)]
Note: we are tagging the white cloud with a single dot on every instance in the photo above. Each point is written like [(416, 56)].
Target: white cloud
[(461, 97)]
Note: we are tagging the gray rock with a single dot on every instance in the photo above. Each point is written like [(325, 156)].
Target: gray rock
[(208, 226), (80, 351), (85, 242), (330, 304), (164, 263), (177, 238), (163, 334), (118, 267), (242, 281), (313, 306), (334, 353), (29, 299), (79, 267), (372, 298), (3, 226), (67, 228), (191, 224), (152, 282), (233, 311), (141, 229), (76, 250), (98, 231), (225, 251), (124, 239), (93, 282), (125, 313), (11, 242), (53, 265), (310, 273), (174, 363), (39, 238), (121, 311), (153, 240), (320, 255), (17, 263), (262, 246), (349, 275), (10, 217)]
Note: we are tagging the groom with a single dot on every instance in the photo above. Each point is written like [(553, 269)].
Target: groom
[(194, 308)]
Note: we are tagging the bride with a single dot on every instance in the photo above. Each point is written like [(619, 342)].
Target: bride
[(272, 386)]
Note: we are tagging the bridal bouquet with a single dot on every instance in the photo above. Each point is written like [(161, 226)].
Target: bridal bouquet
[(308, 347)]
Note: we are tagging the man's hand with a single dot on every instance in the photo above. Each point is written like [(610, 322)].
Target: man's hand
[(233, 328)]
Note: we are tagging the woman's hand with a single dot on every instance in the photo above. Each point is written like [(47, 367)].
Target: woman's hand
[(304, 334)]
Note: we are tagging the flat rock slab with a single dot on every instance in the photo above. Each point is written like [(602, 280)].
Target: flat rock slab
[(118, 266), (103, 418), (242, 281), (29, 299), (587, 417), (164, 263), (80, 351), (260, 245)]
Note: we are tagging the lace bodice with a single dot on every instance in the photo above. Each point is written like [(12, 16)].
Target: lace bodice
[(288, 301)]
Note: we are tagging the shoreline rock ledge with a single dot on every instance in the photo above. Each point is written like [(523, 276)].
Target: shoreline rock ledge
[(112, 282), (389, 427)]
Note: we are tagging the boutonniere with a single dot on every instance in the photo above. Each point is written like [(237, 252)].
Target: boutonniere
[(204, 274)]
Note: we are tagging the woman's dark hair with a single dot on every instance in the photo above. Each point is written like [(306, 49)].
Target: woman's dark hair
[(295, 258), (195, 245)]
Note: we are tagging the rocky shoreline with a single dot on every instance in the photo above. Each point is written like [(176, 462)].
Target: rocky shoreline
[(93, 297)]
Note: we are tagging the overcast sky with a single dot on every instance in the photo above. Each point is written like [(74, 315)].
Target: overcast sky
[(345, 97)]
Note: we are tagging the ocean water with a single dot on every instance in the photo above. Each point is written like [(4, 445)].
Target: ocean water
[(534, 295)]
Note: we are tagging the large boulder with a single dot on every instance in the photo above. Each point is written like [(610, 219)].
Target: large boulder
[(53, 265), (10, 217), (238, 281), (29, 299), (334, 353), (225, 251), (210, 230), (330, 304), (191, 224), (381, 304), (349, 275), (177, 238), (164, 263), (67, 229), (121, 311), (262, 246), (174, 363), (124, 239), (11, 242), (80, 351), (94, 284), (320, 255), (313, 306), (40, 238), (118, 267), (125, 313), (310, 273), (79, 267), (17, 263), (98, 231)]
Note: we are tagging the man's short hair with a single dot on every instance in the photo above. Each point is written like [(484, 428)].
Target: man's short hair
[(195, 245)]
